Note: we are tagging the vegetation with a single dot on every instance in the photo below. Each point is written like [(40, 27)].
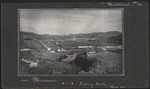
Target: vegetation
[(74, 60)]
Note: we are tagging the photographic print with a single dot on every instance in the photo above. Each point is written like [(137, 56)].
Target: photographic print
[(75, 45), (70, 42)]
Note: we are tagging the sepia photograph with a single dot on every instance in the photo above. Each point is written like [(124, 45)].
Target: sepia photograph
[(70, 42), (97, 44)]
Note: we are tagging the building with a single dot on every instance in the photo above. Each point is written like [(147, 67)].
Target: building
[(61, 50), (25, 49), (85, 46)]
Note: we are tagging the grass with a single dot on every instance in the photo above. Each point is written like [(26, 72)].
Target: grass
[(101, 62), (52, 45), (106, 63), (48, 56), (32, 44), (82, 43), (55, 68)]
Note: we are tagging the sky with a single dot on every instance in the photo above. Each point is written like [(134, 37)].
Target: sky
[(70, 21)]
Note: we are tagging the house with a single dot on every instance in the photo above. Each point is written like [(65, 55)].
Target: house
[(48, 49), (85, 46), (25, 49), (110, 46), (53, 51), (61, 50), (33, 64), (91, 52), (103, 48)]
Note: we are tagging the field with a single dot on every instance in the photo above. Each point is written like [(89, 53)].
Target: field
[(83, 43), (59, 56)]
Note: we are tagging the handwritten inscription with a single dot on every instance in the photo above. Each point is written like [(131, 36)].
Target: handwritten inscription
[(137, 3), (67, 83), (71, 83), (24, 80), (91, 85), (116, 86), (100, 84), (36, 79), (117, 4), (122, 3), (86, 84)]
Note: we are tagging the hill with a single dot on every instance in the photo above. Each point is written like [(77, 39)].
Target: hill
[(31, 40)]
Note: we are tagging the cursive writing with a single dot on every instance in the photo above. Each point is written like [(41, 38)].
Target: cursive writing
[(66, 83), (71, 83), (100, 84), (86, 84), (116, 86), (36, 79), (24, 80), (122, 3), (117, 4), (136, 3), (91, 85)]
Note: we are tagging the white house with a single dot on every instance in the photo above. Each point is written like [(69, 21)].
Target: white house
[(33, 64), (103, 48), (25, 49), (61, 50), (91, 52), (53, 51), (85, 46), (110, 46), (48, 49)]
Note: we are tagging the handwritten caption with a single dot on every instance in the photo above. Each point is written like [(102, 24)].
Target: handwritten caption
[(70, 83), (122, 3)]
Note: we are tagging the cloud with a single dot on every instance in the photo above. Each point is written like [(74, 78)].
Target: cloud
[(70, 21)]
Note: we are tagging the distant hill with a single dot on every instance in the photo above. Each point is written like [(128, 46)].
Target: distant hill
[(109, 37), (30, 35), (94, 34), (106, 37), (99, 34), (30, 40)]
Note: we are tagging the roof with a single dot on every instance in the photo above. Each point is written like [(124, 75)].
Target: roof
[(24, 49)]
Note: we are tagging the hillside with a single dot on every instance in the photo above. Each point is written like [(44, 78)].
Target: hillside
[(32, 40), (98, 34), (71, 54)]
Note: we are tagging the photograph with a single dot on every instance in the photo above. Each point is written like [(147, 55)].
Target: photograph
[(73, 41)]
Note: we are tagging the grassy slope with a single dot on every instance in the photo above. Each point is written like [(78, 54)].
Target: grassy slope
[(106, 63), (103, 63), (32, 44)]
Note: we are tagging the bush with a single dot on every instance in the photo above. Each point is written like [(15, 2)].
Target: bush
[(104, 63)]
